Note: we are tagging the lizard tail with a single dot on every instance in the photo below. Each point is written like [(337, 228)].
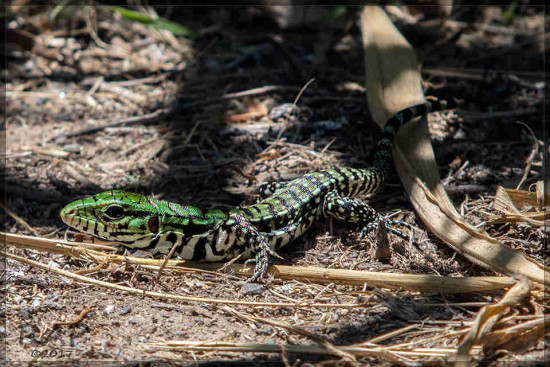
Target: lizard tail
[(375, 176), (383, 150)]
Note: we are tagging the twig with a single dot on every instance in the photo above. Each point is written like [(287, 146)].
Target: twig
[(466, 189), (534, 152), (141, 292), (75, 175), (92, 270), (154, 116), (144, 119), (499, 114), (239, 170), (478, 74), (18, 219), (285, 124), (383, 352), (411, 282), (149, 79), (163, 265), (251, 92), (79, 318), (316, 338), (95, 86), (89, 26), (137, 146), (389, 335), (172, 307)]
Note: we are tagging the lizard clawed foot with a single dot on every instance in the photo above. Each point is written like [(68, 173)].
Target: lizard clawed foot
[(262, 260), (388, 223), (368, 229)]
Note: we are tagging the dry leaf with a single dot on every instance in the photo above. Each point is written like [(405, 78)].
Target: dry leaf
[(487, 318), (508, 201), (518, 337), (256, 109), (393, 83)]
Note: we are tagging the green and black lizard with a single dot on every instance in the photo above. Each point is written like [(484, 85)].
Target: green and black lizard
[(255, 232)]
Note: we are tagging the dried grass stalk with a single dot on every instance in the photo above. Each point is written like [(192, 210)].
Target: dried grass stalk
[(166, 296), (389, 353), (411, 282)]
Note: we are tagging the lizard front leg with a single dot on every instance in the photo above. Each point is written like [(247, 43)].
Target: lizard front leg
[(246, 234)]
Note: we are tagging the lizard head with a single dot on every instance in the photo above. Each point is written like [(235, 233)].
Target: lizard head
[(135, 220), (115, 216)]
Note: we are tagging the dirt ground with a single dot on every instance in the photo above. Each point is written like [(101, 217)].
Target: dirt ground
[(97, 102)]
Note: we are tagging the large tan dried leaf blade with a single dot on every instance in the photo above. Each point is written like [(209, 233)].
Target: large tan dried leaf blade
[(393, 83)]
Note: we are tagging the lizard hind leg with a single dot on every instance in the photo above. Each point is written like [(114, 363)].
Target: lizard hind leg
[(389, 226), (355, 211)]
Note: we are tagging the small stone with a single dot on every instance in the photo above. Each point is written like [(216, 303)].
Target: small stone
[(18, 274), (27, 331), (283, 110), (84, 328), (460, 135), (110, 308), (125, 310), (25, 313), (252, 288), (17, 299), (53, 264), (73, 148), (29, 65), (134, 322), (52, 305), (266, 331)]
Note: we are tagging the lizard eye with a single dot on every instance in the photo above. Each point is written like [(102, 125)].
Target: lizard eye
[(114, 212)]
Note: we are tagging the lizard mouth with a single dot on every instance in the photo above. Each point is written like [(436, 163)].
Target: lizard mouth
[(69, 214), (80, 222), (74, 216)]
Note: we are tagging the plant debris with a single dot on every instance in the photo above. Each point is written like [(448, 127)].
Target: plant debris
[(96, 100)]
